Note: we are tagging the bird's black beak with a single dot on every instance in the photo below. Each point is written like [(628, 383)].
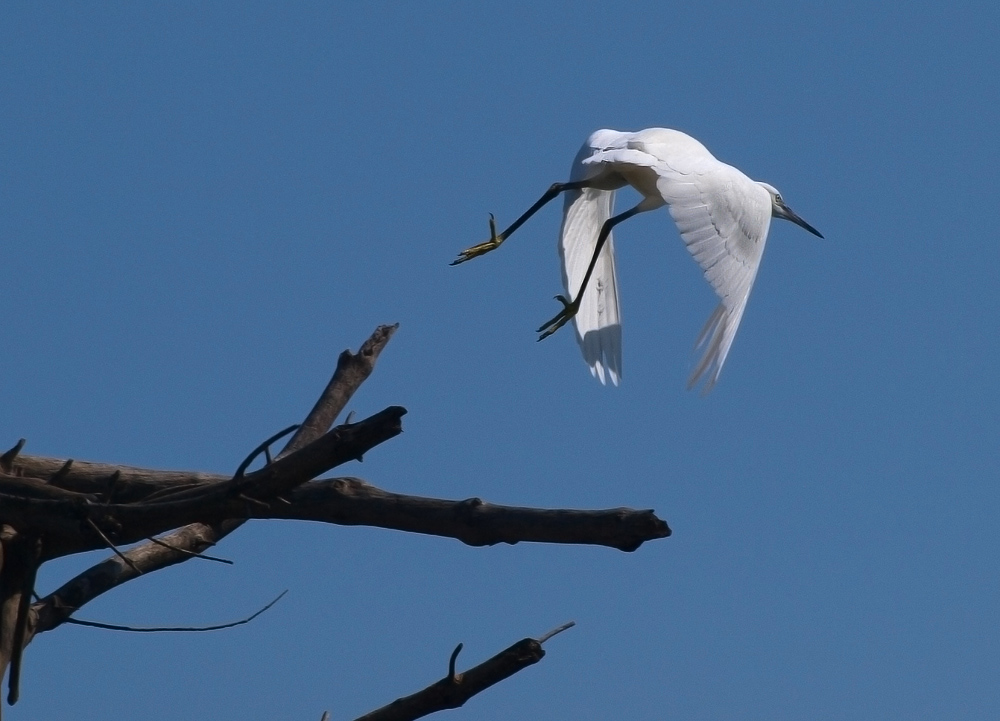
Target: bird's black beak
[(783, 211)]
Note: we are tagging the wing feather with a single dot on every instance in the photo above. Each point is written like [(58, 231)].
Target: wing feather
[(723, 218), (598, 323)]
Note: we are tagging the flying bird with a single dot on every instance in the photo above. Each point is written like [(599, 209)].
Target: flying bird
[(722, 216)]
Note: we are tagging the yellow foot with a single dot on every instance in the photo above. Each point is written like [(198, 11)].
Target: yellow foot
[(483, 248), (569, 310)]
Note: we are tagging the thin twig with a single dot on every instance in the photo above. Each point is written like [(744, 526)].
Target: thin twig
[(451, 663), (112, 546), (157, 541), (263, 447), (554, 631), (7, 459), (258, 503), (61, 473), (172, 629)]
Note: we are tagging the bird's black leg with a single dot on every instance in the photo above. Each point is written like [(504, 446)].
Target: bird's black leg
[(495, 240), (570, 309)]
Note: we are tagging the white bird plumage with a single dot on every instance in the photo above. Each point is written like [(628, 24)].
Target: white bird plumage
[(722, 215)]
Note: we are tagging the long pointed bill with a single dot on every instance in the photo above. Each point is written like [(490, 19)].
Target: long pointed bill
[(788, 214)]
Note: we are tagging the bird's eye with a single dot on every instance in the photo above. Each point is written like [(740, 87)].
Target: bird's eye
[(777, 199)]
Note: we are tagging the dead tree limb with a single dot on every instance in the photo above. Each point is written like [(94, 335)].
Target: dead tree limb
[(54, 507), (298, 467), (67, 519), (135, 484), (456, 688), (352, 502), (21, 554), (352, 371)]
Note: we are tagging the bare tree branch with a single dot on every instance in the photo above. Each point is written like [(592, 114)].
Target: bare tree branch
[(54, 507), (352, 502), (60, 514), (136, 483), (456, 688), (54, 609), (352, 371), (21, 553)]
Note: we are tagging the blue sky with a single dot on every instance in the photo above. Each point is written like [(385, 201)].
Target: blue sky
[(201, 206)]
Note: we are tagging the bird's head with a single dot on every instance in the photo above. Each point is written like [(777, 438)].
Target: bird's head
[(780, 210)]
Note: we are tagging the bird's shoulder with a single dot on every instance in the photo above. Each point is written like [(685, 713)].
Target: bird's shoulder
[(673, 150), (723, 201), (665, 150)]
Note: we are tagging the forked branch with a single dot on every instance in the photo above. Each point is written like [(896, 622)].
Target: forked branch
[(54, 507), (19, 623)]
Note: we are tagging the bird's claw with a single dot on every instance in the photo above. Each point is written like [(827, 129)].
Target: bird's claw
[(562, 317), (492, 244)]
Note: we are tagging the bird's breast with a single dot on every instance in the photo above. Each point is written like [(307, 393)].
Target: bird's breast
[(641, 178)]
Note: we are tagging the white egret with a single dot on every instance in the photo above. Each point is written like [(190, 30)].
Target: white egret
[(722, 215)]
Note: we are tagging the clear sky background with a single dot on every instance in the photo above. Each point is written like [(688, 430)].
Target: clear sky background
[(201, 205)]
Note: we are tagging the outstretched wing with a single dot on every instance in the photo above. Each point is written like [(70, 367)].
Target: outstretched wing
[(723, 217), (598, 322)]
